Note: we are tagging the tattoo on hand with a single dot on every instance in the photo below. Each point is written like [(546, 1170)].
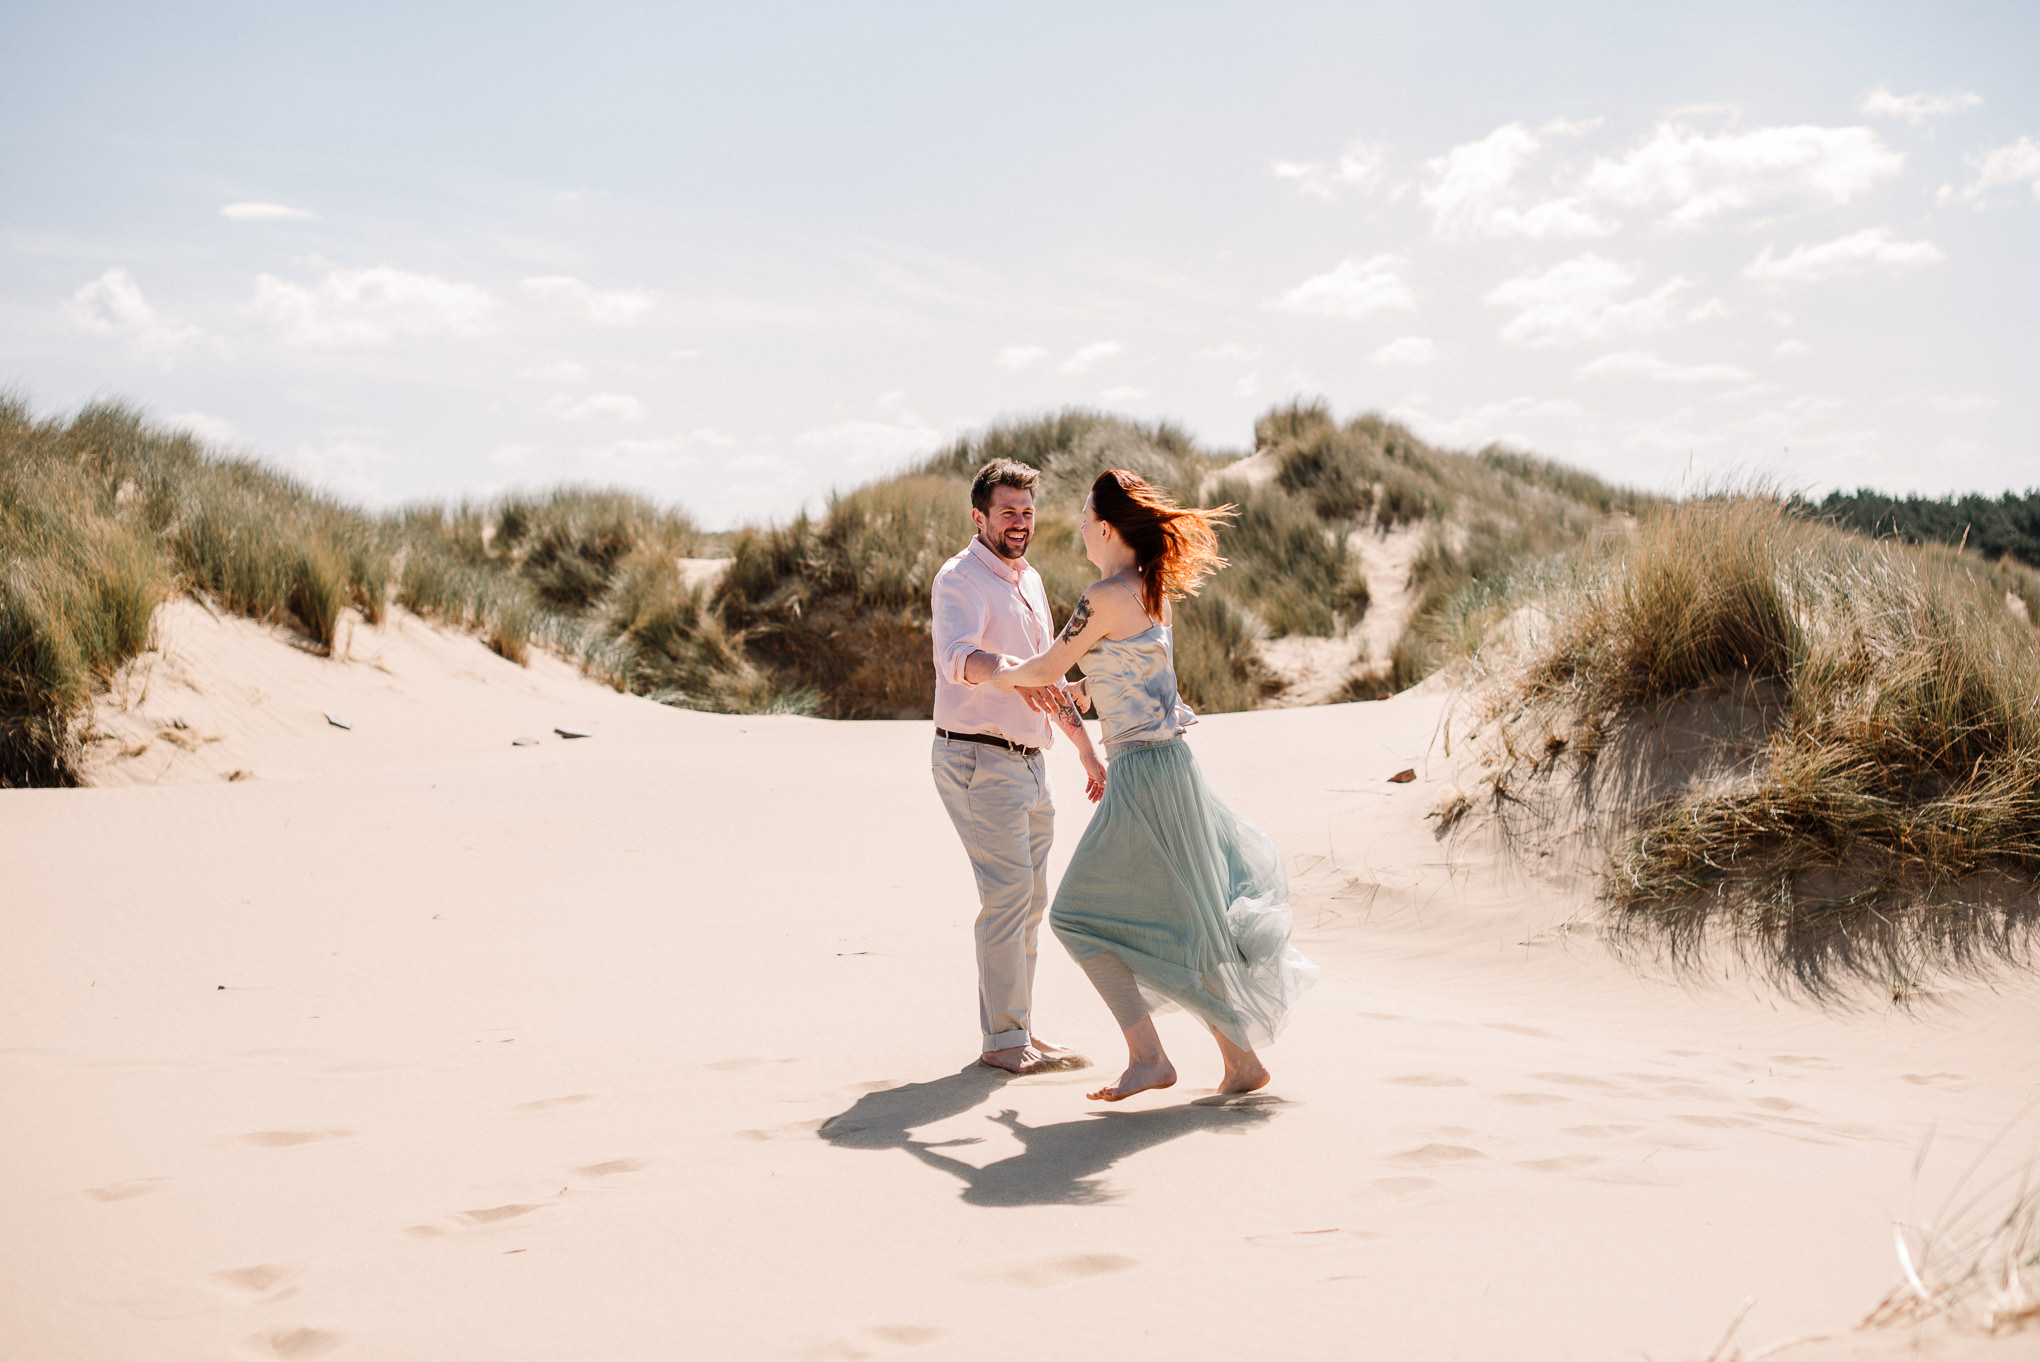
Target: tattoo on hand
[(1078, 619)]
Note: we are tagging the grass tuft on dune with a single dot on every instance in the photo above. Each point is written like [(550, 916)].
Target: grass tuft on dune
[(1896, 772), (104, 516)]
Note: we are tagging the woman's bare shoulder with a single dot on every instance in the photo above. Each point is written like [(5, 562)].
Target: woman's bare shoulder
[(1113, 606)]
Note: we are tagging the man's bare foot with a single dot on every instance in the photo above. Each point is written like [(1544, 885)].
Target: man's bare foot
[(1140, 1076), (1014, 1059), (1244, 1076), (1058, 1057)]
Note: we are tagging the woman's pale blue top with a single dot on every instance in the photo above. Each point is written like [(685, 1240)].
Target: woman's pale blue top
[(1133, 686)]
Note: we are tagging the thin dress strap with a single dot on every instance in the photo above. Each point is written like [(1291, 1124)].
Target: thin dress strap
[(1137, 601)]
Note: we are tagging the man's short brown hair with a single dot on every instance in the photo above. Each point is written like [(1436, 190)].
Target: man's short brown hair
[(1000, 473)]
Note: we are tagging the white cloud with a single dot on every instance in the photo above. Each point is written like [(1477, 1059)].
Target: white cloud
[(1708, 311), (614, 406), (213, 430), (565, 371), (1917, 107), (1697, 178), (1088, 357), (1793, 348), (1355, 289), (1970, 403), (610, 307), (2018, 163), (114, 303), (685, 354), (1022, 356), (1640, 364), (1407, 350), (872, 446), (1853, 254), (1229, 350), (263, 212), (512, 456), (352, 467), (1502, 421), (1248, 386), (1577, 300), (365, 308), (1359, 167), (1470, 193), (1122, 393)]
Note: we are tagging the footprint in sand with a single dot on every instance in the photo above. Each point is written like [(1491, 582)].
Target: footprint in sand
[(1628, 1175), (121, 1191), (261, 1282), (1599, 1132), (295, 1344), (611, 1168), (553, 1103), (1716, 1122), (1312, 1239), (1520, 1030), (1804, 1061), (905, 1335), (489, 1215), (1437, 1153), (1404, 1186), (1778, 1104), (1427, 1081), (1530, 1099), (795, 1130), (1937, 1080), (1580, 1081), (1564, 1163), (1055, 1270), (285, 1139)]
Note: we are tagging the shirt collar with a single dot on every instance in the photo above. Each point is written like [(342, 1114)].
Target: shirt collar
[(1009, 569)]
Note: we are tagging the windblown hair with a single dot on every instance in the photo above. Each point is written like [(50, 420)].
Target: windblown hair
[(1000, 473), (1175, 546)]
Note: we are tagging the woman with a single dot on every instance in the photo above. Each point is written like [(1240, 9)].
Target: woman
[(1172, 899)]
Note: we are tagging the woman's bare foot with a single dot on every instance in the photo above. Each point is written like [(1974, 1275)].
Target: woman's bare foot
[(1245, 1077), (1140, 1076), (1244, 1071)]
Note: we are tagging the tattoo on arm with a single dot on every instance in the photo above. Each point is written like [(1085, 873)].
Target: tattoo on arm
[(1067, 711), (1079, 617)]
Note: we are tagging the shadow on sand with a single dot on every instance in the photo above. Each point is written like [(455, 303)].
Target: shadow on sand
[(1060, 1164)]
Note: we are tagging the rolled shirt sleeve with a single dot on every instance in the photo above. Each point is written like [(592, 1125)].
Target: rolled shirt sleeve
[(960, 618)]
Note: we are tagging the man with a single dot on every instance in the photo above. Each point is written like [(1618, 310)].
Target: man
[(988, 763)]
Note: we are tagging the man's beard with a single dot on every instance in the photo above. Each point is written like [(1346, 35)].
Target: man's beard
[(1006, 550)]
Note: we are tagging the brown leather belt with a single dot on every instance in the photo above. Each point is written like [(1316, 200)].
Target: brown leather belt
[(989, 740)]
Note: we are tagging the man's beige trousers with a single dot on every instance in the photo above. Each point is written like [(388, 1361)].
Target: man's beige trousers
[(1000, 804)]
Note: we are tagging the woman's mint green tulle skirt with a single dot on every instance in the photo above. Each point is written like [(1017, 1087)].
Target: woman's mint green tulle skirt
[(1190, 895)]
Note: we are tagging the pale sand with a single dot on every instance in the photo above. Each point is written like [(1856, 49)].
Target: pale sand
[(656, 1045)]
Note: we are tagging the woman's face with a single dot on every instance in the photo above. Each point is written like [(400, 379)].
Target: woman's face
[(1093, 531)]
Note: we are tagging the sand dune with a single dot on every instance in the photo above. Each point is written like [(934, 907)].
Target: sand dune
[(421, 1045)]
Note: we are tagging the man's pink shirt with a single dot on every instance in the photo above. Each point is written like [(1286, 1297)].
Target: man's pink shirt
[(985, 603)]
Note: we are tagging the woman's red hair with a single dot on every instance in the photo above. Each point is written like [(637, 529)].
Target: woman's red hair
[(1176, 546)]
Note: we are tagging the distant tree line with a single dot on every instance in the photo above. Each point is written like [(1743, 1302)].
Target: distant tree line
[(1994, 526)]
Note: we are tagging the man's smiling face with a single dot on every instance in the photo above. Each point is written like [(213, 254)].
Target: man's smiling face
[(1009, 525)]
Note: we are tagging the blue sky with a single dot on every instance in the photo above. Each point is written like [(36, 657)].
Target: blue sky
[(737, 255)]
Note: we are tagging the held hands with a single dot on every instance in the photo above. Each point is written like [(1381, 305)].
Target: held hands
[(1002, 679)]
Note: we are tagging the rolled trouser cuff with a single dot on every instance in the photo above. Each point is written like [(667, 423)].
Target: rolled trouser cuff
[(1006, 1040)]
